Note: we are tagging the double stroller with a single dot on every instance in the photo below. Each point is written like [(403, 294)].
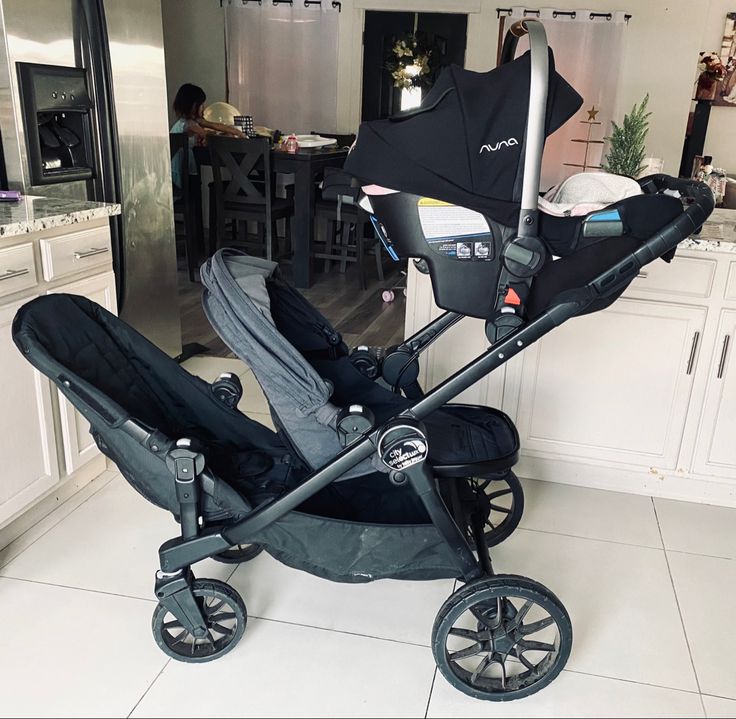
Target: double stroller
[(368, 476)]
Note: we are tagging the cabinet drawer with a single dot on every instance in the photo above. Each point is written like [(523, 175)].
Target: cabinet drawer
[(684, 276), (77, 252), (17, 268), (731, 282)]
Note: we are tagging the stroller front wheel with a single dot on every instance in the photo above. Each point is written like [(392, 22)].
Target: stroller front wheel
[(225, 616), (501, 638)]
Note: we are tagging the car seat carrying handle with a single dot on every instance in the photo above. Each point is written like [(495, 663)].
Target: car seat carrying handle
[(524, 256), (534, 135)]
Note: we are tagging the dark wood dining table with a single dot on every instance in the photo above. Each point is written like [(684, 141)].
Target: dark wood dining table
[(306, 164)]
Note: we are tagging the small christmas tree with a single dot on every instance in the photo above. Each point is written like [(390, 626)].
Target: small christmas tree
[(626, 151)]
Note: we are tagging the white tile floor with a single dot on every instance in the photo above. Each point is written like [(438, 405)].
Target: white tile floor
[(650, 586)]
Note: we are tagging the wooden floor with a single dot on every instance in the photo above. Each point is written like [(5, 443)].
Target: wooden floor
[(361, 316)]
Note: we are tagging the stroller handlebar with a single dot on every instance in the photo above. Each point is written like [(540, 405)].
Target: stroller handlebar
[(700, 207)]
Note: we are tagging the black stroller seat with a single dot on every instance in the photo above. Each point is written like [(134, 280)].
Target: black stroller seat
[(139, 402)]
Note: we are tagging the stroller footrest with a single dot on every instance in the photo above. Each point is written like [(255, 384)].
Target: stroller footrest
[(471, 441)]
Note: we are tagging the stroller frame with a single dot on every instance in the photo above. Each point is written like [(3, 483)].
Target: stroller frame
[(193, 546), (177, 554)]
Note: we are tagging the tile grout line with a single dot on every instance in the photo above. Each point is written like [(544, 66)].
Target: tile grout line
[(78, 589), (697, 554), (115, 474), (679, 611), (148, 689), (339, 631), (717, 696), (633, 681), (431, 689), (624, 544), (592, 539)]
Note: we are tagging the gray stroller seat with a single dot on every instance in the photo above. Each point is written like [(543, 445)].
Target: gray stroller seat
[(302, 365)]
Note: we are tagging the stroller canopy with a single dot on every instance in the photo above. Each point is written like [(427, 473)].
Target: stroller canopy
[(464, 144)]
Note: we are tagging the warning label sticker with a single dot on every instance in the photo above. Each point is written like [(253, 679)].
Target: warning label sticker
[(455, 231)]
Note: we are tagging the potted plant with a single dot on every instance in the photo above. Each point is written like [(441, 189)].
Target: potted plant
[(626, 143)]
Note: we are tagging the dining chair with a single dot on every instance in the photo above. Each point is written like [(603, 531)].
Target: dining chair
[(185, 207), (248, 194), (343, 231)]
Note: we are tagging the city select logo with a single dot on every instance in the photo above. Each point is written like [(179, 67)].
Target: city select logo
[(503, 143), (406, 454)]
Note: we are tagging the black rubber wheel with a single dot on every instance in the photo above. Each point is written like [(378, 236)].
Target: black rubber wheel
[(506, 498), (239, 553), (501, 638), (226, 619)]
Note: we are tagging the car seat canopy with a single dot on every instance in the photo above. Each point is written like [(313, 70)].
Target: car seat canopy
[(479, 162)]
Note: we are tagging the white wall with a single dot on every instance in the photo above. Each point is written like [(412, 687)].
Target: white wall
[(663, 39), (194, 43)]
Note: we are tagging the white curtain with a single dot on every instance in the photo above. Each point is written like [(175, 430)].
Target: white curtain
[(282, 64), (588, 52)]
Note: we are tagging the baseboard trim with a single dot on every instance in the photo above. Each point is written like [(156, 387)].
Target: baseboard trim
[(55, 498), (687, 488)]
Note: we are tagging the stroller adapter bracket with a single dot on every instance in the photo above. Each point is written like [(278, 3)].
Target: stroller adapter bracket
[(353, 423), (187, 467), (228, 389)]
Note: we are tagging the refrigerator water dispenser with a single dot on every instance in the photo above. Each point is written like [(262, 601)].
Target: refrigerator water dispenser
[(56, 109)]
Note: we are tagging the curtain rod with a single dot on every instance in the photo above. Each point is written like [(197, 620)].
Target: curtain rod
[(336, 4), (558, 13)]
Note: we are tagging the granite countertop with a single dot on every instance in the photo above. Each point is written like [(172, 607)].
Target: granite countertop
[(718, 233), (34, 213)]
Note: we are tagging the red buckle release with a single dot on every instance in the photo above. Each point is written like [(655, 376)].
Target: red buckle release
[(511, 297)]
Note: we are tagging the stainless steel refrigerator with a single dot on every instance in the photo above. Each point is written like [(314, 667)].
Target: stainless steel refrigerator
[(119, 44)]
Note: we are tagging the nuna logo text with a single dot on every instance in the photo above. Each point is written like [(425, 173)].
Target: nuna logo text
[(502, 143)]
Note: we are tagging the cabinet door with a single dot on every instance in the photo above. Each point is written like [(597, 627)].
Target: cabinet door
[(27, 445), (715, 449), (79, 447), (613, 386)]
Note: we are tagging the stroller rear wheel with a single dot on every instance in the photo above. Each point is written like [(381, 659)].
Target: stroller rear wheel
[(501, 638), (225, 615), (505, 497), (239, 553)]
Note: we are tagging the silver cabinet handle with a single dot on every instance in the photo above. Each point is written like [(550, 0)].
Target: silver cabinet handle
[(724, 354), (693, 349), (643, 275), (90, 252), (14, 273)]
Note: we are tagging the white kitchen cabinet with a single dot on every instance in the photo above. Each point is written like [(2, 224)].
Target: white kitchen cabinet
[(640, 397), (612, 386), (47, 451), (27, 442), (715, 448), (78, 445)]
